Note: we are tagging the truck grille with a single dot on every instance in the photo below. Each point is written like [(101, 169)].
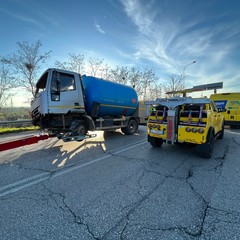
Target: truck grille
[(35, 113)]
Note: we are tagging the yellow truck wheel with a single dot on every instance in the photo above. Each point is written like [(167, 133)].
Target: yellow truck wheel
[(206, 149), (155, 142)]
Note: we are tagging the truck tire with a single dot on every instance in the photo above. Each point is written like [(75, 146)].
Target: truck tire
[(205, 150), (155, 142), (131, 127), (222, 132)]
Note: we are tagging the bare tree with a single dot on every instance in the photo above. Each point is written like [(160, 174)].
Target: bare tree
[(95, 65), (148, 78), (105, 71), (135, 79), (155, 91), (120, 75), (142, 80), (176, 83), (75, 63), (26, 62), (7, 82)]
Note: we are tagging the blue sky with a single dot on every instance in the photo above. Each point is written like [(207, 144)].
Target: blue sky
[(164, 34)]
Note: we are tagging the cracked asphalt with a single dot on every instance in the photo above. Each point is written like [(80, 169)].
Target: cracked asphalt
[(119, 187)]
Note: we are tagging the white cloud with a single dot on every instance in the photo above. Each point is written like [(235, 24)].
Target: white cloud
[(155, 33), (172, 41), (99, 28), (22, 17), (142, 19)]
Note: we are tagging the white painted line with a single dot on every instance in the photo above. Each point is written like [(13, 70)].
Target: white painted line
[(96, 160), (16, 189), (17, 186), (230, 132), (21, 182)]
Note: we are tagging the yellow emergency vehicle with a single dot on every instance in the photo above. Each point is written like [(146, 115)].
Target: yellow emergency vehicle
[(229, 103), (185, 120)]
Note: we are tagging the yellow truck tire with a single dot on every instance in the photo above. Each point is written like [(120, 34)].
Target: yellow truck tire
[(155, 142), (206, 149)]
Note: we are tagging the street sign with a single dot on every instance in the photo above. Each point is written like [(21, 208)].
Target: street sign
[(203, 87), (210, 86)]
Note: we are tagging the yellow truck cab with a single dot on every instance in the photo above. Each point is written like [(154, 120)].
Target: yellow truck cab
[(229, 103), (185, 120)]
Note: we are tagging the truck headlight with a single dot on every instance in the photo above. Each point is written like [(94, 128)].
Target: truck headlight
[(188, 129)]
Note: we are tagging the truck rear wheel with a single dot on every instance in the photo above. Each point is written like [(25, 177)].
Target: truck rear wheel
[(155, 142), (205, 150), (131, 127)]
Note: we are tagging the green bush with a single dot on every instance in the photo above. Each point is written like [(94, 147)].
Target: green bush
[(15, 129), (14, 113)]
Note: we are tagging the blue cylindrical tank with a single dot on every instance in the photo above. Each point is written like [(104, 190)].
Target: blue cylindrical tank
[(113, 99)]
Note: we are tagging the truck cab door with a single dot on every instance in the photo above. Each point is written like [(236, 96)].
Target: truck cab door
[(65, 93), (233, 110), (217, 118)]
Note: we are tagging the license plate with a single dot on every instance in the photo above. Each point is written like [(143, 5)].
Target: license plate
[(156, 131)]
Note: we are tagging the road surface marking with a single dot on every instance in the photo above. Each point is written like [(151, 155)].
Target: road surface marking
[(22, 184)]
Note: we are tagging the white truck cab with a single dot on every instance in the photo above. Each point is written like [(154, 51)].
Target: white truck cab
[(58, 92)]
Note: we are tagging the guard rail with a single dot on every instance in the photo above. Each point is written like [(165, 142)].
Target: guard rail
[(20, 123)]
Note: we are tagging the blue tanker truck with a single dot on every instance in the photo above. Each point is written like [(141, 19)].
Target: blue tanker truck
[(70, 105)]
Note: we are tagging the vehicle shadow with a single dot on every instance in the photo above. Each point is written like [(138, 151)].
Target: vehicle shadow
[(52, 154)]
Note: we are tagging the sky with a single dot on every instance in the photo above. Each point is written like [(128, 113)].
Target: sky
[(166, 35)]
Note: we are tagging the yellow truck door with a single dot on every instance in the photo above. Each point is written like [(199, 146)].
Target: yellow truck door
[(229, 103), (232, 112)]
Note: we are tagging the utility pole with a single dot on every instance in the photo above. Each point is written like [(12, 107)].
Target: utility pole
[(11, 104)]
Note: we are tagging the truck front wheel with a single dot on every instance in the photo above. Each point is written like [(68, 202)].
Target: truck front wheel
[(131, 127), (155, 142)]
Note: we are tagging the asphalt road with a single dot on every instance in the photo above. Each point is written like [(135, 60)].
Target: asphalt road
[(119, 187)]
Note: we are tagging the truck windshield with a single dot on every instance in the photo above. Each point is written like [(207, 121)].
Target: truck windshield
[(41, 84), (221, 104), (62, 82)]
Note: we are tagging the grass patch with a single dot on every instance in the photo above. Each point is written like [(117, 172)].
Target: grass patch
[(16, 130)]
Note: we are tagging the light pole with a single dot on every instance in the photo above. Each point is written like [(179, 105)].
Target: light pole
[(187, 66), (183, 76)]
